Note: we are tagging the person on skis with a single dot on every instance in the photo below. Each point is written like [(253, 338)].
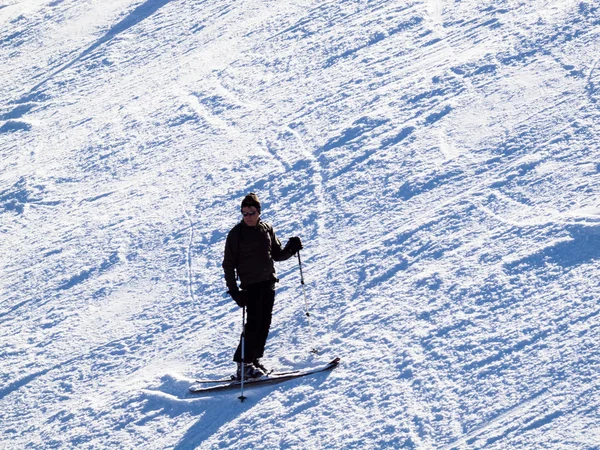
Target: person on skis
[(250, 251)]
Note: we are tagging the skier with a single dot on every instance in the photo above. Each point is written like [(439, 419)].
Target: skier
[(250, 250)]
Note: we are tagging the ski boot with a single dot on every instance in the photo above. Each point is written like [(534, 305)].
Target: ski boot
[(259, 365), (250, 372)]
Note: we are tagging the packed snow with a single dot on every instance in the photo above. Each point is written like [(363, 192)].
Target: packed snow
[(439, 159)]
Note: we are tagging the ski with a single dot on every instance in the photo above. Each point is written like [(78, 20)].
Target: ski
[(229, 379), (271, 373), (272, 379), (222, 380)]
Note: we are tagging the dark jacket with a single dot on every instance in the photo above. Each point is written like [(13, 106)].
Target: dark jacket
[(250, 252)]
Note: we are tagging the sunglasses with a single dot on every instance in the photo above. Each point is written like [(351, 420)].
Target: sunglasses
[(249, 214)]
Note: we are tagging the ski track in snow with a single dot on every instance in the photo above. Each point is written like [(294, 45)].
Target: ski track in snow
[(439, 160), (189, 265)]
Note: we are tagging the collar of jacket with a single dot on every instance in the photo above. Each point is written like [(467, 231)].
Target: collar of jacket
[(259, 223)]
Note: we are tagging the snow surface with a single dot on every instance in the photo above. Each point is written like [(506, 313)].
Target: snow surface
[(440, 160)]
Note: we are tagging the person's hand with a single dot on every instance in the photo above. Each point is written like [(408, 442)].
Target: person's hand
[(239, 297), (294, 245)]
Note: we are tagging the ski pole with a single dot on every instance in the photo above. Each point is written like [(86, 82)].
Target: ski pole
[(241, 397), (314, 350)]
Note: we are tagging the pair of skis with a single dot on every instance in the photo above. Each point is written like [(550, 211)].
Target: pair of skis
[(199, 386)]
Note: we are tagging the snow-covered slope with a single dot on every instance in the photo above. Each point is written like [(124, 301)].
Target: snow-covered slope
[(440, 160)]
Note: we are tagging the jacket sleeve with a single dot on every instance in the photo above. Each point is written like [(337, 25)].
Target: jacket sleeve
[(278, 253), (230, 261)]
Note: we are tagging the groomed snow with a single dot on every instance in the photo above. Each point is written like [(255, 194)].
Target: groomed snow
[(439, 159)]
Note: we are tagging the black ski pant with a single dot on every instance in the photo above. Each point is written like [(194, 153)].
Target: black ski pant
[(260, 298)]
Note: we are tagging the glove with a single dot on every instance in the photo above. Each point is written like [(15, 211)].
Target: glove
[(294, 245), (239, 297)]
